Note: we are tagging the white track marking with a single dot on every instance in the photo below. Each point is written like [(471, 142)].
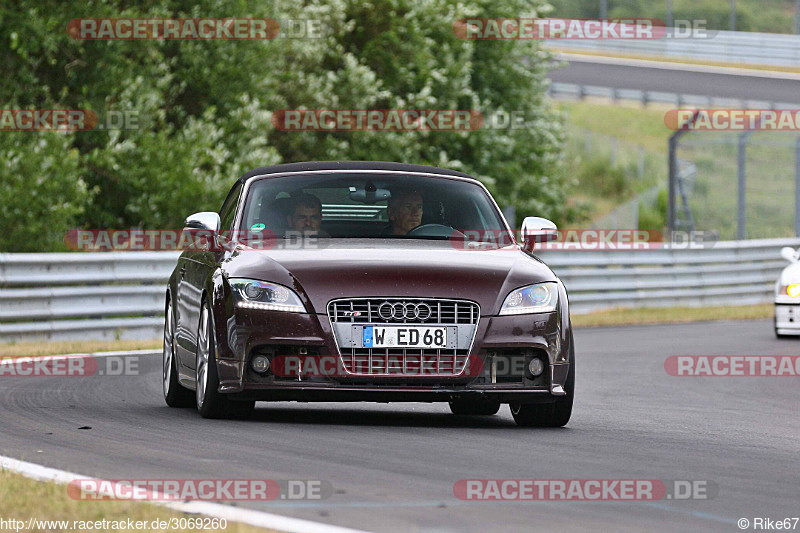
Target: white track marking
[(217, 510)]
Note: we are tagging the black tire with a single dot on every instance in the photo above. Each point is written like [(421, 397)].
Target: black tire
[(549, 415), (210, 402), (474, 407), (175, 394)]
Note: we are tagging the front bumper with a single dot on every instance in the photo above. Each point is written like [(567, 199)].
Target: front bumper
[(246, 332), (340, 393), (787, 316)]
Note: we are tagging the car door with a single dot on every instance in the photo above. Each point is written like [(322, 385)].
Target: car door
[(195, 271)]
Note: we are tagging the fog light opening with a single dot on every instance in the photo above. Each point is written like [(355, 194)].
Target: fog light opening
[(260, 364), (536, 367)]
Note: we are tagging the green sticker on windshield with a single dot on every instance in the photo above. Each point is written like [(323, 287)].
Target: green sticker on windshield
[(257, 227)]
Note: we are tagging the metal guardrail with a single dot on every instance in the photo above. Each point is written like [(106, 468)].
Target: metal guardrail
[(579, 92), (121, 294), (83, 296), (725, 46), (729, 273)]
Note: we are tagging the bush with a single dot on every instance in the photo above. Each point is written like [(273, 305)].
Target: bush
[(204, 107), (41, 192), (654, 217)]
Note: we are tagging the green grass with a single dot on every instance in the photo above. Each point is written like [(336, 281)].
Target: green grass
[(769, 190), (672, 315), (30, 349), (629, 123), (22, 498), (713, 199), (600, 180)]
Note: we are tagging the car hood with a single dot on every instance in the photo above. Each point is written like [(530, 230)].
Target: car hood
[(341, 268)]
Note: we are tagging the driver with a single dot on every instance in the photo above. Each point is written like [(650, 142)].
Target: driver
[(306, 214), (405, 211)]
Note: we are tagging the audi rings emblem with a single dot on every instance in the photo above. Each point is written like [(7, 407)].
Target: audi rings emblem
[(404, 311)]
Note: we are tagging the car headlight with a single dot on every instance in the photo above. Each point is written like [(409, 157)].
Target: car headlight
[(539, 298), (254, 294), (790, 290)]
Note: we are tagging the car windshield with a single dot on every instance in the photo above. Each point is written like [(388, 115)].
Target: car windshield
[(371, 205)]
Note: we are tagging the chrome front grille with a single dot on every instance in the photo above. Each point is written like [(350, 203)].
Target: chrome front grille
[(403, 311), (348, 315)]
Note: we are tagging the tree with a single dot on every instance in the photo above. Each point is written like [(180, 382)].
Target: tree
[(204, 107)]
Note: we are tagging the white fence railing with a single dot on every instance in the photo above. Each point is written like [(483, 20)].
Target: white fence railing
[(121, 295), (725, 46)]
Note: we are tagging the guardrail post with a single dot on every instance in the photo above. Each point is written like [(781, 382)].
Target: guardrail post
[(669, 13), (673, 176), (797, 17), (672, 161), (741, 218), (797, 186)]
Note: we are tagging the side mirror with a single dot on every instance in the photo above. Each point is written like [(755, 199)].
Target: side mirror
[(789, 253), (204, 229), (537, 229), (206, 220)]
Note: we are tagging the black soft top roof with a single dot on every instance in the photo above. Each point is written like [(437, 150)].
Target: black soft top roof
[(350, 165)]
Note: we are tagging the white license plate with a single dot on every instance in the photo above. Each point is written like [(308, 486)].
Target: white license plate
[(404, 337)]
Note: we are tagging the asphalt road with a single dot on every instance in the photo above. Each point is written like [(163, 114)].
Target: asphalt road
[(393, 467), (590, 72)]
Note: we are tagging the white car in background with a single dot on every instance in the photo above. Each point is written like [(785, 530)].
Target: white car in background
[(787, 296)]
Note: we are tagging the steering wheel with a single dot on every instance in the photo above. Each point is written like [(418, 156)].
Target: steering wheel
[(435, 230)]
